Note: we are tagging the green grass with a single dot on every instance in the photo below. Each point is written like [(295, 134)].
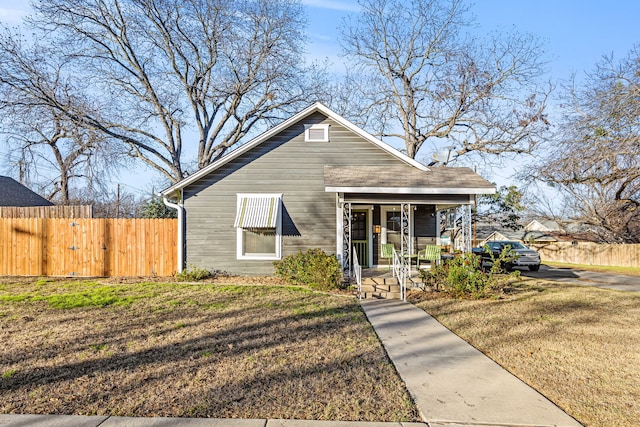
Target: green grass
[(73, 295), (98, 347), (629, 271), (8, 373), (82, 294)]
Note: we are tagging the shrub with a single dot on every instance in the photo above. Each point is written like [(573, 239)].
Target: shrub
[(463, 276), (505, 259), (193, 274), (313, 268)]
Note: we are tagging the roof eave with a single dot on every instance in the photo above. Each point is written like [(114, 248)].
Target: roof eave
[(410, 190)]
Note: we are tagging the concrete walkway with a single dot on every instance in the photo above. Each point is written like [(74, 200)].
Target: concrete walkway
[(452, 383), (104, 421)]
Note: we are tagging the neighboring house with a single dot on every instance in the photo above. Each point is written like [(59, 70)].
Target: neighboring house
[(314, 181), (12, 193), (524, 236), (542, 225), (482, 231)]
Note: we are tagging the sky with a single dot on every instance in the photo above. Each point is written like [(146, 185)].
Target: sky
[(576, 33)]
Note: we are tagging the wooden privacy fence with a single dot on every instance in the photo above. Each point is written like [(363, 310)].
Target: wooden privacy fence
[(56, 211), (622, 255), (88, 247)]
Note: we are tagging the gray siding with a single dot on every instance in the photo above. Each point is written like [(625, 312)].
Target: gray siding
[(284, 164)]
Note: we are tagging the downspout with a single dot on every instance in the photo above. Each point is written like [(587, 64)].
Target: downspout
[(180, 208)]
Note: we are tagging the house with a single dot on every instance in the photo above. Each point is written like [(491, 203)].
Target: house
[(542, 225), (12, 193), (314, 181), (524, 236)]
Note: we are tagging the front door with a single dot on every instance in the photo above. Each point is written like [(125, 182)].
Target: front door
[(360, 235)]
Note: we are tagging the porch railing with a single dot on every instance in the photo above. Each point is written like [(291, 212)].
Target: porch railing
[(401, 266), (357, 272), (362, 247)]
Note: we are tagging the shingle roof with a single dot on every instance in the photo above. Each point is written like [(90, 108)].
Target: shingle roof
[(405, 180), (12, 193), (522, 235)]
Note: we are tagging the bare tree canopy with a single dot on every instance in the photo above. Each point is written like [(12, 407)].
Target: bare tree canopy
[(418, 76), (595, 157), (161, 73), (48, 150)]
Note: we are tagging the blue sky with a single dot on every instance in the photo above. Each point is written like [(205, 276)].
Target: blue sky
[(576, 33)]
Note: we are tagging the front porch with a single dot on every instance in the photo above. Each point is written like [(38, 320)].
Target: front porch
[(385, 245), (394, 216)]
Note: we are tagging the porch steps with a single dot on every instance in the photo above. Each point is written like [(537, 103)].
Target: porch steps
[(380, 288)]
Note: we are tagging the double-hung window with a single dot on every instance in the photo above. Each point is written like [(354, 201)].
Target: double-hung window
[(259, 226)]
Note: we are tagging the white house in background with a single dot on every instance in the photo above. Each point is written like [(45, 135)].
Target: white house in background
[(543, 225)]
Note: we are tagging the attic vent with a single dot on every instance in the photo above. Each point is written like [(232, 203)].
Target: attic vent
[(316, 133)]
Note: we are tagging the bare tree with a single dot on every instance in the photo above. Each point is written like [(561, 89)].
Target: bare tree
[(57, 155), (595, 157), (423, 79), (49, 150), (160, 71)]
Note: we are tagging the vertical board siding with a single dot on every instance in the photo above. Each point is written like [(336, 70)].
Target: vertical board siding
[(88, 247), (620, 255), (284, 164)]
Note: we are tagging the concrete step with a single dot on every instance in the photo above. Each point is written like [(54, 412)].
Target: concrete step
[(380, 281), (381, 295), (380, 288)]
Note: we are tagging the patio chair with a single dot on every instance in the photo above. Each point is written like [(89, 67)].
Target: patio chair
[(386, 251), (430, 253)]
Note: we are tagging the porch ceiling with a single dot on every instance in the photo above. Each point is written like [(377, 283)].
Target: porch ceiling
[(404, 180)]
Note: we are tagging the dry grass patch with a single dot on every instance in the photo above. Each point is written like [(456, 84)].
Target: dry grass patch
[(206, 350), (628, 271), (577, 345)]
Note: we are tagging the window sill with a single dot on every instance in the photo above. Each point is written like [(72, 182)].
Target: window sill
[(259, 257)]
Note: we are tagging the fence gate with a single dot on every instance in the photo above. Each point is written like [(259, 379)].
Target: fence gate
[(88, 247)]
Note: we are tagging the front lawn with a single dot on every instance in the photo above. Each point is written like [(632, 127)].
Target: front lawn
[(184, 350), (577, 345)]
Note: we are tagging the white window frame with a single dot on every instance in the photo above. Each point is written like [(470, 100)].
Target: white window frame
[(383, 221), (323, 126), (239, 235)]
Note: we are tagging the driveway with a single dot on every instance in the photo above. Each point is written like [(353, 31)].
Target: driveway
[(588, 278)]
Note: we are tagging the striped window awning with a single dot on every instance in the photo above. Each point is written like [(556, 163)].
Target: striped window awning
[(258, 210)]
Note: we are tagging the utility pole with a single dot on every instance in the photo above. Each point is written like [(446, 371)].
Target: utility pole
[(118, 202)]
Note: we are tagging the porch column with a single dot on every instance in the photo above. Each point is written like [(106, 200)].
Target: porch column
[(465, 228), (438, 226), (405, 217), (346, 239)]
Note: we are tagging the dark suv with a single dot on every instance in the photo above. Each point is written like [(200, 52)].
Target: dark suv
[(523, 256)]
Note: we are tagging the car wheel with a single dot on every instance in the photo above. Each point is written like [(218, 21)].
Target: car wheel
[(534, 267)]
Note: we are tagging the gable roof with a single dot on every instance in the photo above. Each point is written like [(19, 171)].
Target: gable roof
[(12, 193), (543, 225), (317, 107)]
